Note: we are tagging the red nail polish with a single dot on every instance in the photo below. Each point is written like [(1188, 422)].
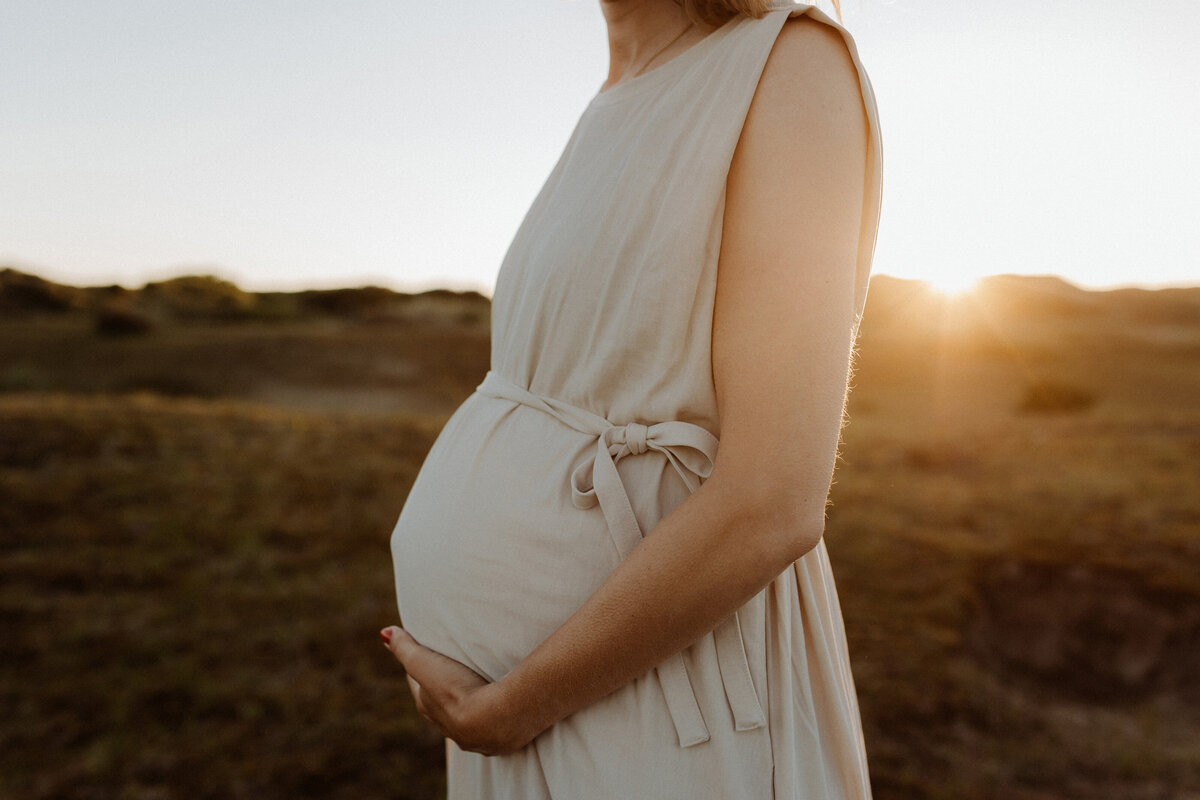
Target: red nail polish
[(386, 635)]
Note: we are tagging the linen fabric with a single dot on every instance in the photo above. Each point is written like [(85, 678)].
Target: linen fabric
[(598, 416)]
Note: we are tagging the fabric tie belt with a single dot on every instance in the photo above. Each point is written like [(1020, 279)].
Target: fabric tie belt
[(690, 449)]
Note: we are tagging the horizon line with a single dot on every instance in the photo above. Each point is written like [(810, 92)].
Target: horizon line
[(416, 287)]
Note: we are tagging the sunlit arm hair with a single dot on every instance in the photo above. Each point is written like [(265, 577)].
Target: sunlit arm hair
[(715, 12)]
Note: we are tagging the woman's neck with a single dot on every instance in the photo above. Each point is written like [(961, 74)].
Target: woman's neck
[(639, 28)]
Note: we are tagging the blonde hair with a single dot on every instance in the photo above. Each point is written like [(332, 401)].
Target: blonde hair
[(717, 12)]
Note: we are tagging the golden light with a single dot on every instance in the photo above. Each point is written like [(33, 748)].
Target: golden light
[(952, 285)]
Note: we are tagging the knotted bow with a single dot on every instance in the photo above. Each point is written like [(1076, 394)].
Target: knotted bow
[(690, 449)]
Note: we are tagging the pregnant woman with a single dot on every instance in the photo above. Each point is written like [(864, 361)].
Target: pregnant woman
[(610, 570)]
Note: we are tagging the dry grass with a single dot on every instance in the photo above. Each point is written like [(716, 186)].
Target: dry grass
[(194, 524), (191, 597)]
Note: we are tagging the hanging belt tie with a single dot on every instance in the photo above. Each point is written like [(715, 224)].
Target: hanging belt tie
[(690, 449)]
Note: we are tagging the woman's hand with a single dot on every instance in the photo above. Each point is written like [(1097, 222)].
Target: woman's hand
[(464, 706)]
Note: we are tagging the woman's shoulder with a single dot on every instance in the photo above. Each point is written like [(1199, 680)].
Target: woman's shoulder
[(809, 56), (811, 83)]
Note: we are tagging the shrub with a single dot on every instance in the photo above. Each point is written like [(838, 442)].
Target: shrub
[(349, 302), (200, 296), (116, 320), (21, 292)]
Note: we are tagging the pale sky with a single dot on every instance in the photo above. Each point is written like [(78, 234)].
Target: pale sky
[(288, 144)]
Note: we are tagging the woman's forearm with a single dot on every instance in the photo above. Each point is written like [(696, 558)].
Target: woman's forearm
[(698, 565)]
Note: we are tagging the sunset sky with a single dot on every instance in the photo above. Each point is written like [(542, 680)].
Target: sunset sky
[(287, 144)]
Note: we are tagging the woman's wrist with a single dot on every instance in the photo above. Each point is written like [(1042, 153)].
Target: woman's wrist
[(522, 714)]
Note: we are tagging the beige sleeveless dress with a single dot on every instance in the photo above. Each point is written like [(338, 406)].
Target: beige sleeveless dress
[(598, 417)]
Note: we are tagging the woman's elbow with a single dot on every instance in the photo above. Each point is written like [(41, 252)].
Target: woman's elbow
[(796, 533), (784, 524)]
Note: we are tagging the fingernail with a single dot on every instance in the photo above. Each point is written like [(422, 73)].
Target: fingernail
[(386, 635)]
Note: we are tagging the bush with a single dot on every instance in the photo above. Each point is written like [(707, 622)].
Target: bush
[(200, 296), (121, 321), (351, 302), (21, 292)]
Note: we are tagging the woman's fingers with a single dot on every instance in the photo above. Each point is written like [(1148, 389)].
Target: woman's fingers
[(418, 700), (433, 670), (407, 650), (452, 696), (400, 642), (428, 667)]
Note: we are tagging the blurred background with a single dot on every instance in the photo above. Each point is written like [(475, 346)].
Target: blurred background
[(246, 252)]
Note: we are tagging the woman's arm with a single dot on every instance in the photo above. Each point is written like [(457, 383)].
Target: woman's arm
[(782, 335)]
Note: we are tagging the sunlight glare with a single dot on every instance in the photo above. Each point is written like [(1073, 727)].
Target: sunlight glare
[(952, 285)]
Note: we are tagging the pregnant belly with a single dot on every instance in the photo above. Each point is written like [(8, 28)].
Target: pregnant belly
[(489, 552)]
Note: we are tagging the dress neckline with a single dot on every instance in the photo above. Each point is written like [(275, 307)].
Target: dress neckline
[(653, 77)]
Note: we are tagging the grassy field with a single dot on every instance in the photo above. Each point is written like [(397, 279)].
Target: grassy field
[(197, 485)]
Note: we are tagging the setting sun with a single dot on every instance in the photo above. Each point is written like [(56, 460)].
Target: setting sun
[(953, 284)]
